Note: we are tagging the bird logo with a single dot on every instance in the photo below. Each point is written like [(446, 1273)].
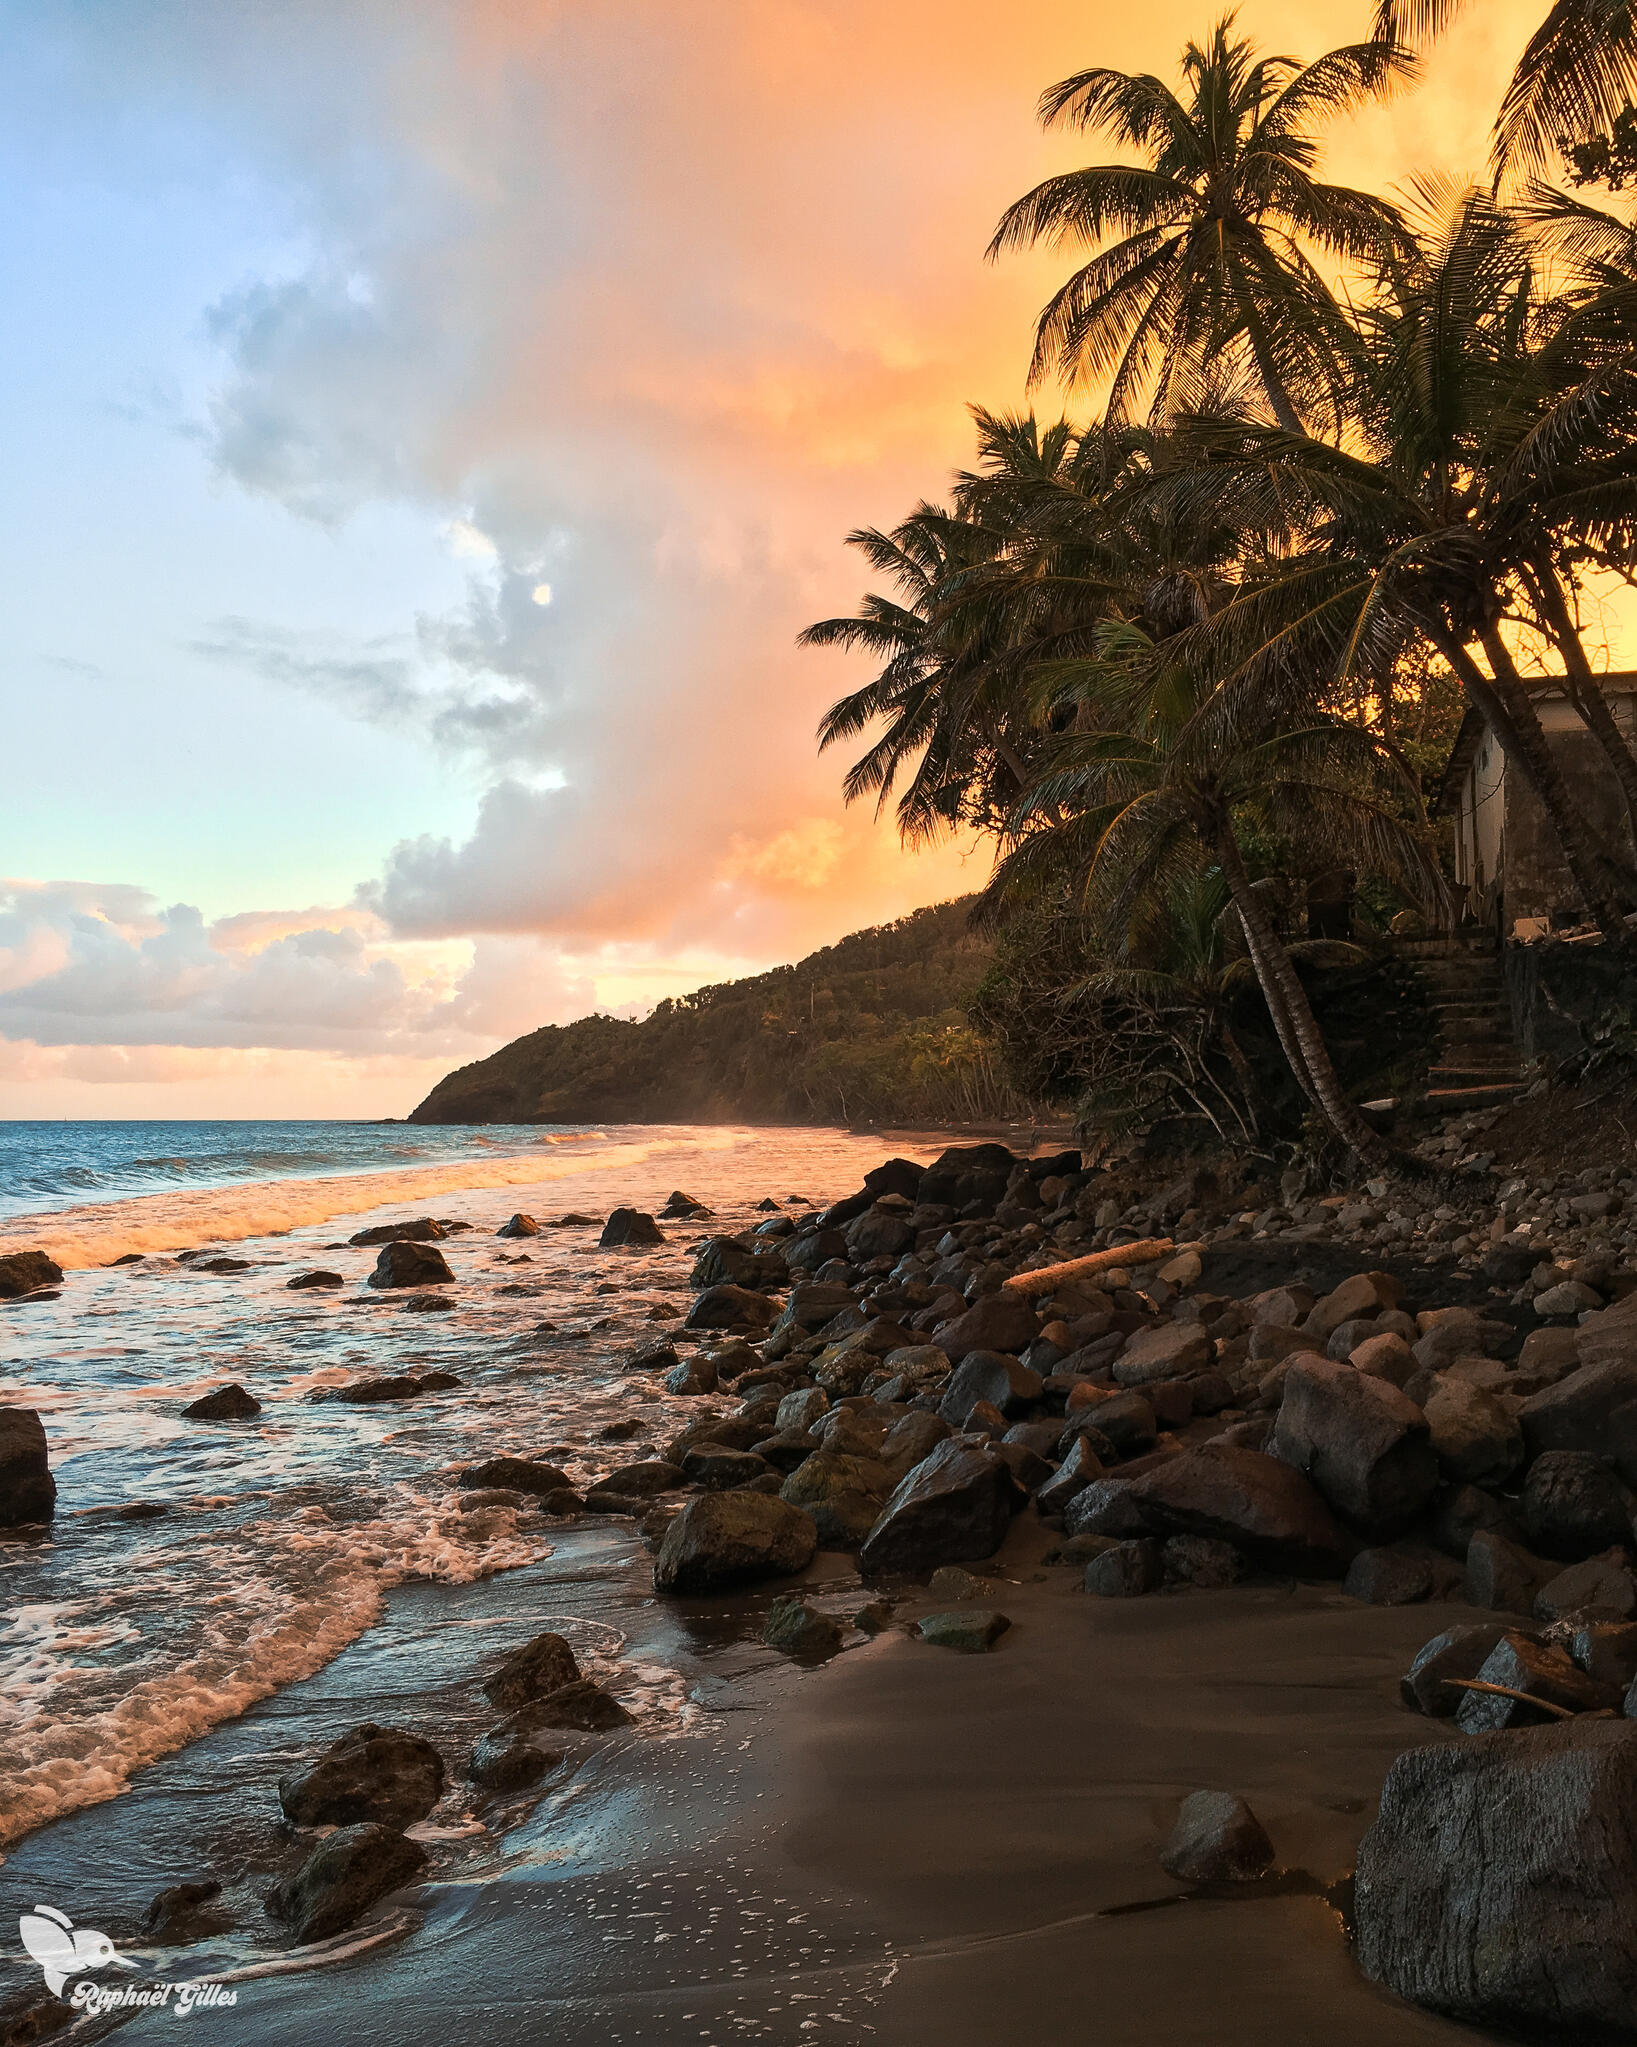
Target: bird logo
[(62, 1951)]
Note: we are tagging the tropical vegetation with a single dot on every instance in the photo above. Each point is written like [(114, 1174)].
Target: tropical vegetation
[(1348, 466)]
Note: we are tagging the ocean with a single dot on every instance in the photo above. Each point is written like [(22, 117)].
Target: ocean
[(271, 1545)]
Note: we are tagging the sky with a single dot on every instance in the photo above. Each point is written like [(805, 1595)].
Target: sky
[(428, 425)]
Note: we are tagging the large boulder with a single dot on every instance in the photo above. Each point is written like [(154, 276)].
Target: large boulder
[(1498, 1884), (1168, 1350), (370, 1773), (1259, 1504), (954, 1507), (989, 1375), (725, 1261), (28, 1492), (843, 1494), (1476, 1439), (730, 1307), (1362, 1442), (629, 1226), (540, 1666), (342, 1878), (731, 1538), (996, 1322), (1593, 1409), (967, 1175), (408, 1262), (25, 1272), (1573, 1505)]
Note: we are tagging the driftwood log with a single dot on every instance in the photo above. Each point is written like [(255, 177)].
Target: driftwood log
[(1143, 1252)]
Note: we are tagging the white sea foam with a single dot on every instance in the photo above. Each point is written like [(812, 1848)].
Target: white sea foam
[(96, 1233)]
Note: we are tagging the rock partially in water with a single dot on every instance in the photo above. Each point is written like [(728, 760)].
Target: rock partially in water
[(347, 1873), (1217, 1839), (424, 1230), (732, 1538), (970, 1629), (514, 1474), (1498, 1884), (304, 1281), (231, 1403), (410, 1263), (186, 1912), (800, 1629), (582, 1705), (519, 1226), (25, 1272), (370, 1773), (628, 1226), (28, 1492), (395, 1386), (508, 1759), (539, 1667)]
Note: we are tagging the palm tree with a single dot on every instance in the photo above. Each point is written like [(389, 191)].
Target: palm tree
[(1205, 248), (1577, 75), (1487, 449), (1128, 813)]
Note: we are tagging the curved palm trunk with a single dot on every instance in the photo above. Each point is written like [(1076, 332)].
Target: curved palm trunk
[(1288, 1004), (1582, 689), (1505, 704)]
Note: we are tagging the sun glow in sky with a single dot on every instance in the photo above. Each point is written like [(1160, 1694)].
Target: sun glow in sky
[(428, 425)]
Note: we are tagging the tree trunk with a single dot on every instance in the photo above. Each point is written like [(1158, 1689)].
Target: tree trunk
[(1513, 719), (1285, 993), (1582, 688)]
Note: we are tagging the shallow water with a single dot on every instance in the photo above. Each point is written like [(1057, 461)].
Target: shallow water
[(281, 1537)]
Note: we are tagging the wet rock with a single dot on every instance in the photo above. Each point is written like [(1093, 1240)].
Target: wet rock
[(1259, 1504), (969, 1629), (1593, 1590), (1127, 1570), (28, 1492), (844, 1496), (230, 1403), (1475, 1438), (370, 1773), (186, 1912), (1364, 1445), (409, 1263), (424, 1230), (345, 1874), (718, 1468), (1203, 1562), (725, 1539), (1217, 1839), (800, 1629), (1456, 1653), (643, 1481), (629, 1226), (1003, 1322), (515, 1475), (730, 1307), (988, 1375), (1500, 1575), (690, 1377), (954, 1507), (508, 1759), (581, 1705), (326, 1281), (1389, 1577), (1498, 1882), (1520, 1664), (1169, 1350), (657, 1354), (519, 1226), (1573, 1505), (25, 1272)]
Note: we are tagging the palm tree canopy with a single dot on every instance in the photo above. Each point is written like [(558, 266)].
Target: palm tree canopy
[(1577, 74), (1204, 251)]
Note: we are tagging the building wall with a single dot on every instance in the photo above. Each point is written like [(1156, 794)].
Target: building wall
[(1536, 881)]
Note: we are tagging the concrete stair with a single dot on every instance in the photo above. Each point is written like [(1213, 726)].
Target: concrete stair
[(1477, 1065)]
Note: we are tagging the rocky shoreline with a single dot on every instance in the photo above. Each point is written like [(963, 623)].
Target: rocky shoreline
[(1168, 1394)]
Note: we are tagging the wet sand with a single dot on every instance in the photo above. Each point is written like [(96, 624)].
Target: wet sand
[(902, 1843)]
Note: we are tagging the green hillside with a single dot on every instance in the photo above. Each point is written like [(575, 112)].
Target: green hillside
[(874, 1026)]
